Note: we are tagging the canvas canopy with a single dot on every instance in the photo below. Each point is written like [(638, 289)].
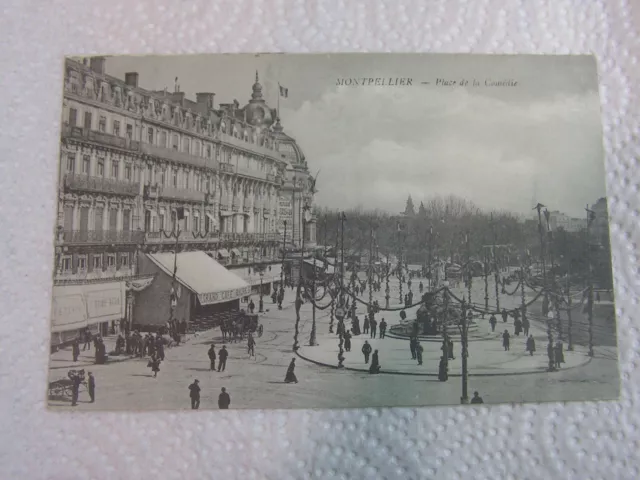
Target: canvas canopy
[(205, 277)]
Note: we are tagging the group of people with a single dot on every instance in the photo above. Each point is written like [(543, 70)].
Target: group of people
[(224, 399), (370, 326), (520, 325), (223, 354), (98, 345), (77, 378), (375, 361), (141, 345)]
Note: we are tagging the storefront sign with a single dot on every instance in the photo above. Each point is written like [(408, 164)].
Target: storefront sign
[(224, 296)]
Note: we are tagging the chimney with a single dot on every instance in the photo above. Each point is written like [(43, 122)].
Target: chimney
[(131, 79), (98, 64), (205, 99)]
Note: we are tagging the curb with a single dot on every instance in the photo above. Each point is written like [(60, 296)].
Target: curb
[(454, 375)]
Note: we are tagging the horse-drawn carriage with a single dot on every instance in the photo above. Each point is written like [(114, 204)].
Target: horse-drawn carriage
[(237, 324)]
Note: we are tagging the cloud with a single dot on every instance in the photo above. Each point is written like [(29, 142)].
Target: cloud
[(377, 145)]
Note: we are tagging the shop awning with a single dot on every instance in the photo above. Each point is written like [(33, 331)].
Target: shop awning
[(235, 252), (205, 277), (78, 306), (223, 252)]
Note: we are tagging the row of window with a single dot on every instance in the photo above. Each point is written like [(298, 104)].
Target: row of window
[(91, 262), (85, 167)]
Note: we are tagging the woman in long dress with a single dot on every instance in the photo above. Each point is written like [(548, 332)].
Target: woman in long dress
[(375, 363), (291, 377)]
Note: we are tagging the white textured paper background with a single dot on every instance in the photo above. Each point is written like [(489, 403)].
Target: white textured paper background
[(577, 440)]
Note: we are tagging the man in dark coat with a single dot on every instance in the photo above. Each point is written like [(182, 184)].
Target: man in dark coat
[(505, 340), (531, 345), (558, 354), (347, 341), (252, 306), (551, 356), (375, 363), (366, 350), (87, 340), (421, 287), (477, 399), (412, 346), (383, 328), (443, 369), (365, 325), (419, 351), (222, 358), (251, 343), (505, 315), (212, 357), (525, 326), (374, 327), (160, 347), (493, 321), (75, 389), (76, 350), (355, 326), (224, 400), (517, 324), (194, 394), (91, 386)]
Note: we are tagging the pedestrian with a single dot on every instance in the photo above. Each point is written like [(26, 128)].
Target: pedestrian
[(558, 354), (517, 325), (87, 340), (375, 363), (551, 356), (75, 350), (252, 306), (476, 398), (525, 326), (493, 321), (250, 344), (194, 394), (160, 347), (412, 346), (419, 351), (505, 340), (365, 325), (443, 369), (154, 363), (222, 358), (91, 386), (212, 357), (347, 341), (366, 350), (355, 325), (374, 326), (76, 379), (450, 345), (531, 345), (383, 328), (505, 315), (290, 377), (224, 400), (421, 287)]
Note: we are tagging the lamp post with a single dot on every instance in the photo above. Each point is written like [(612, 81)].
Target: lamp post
[(430, 256), (486, 278), (400, 262), (469, 274), (591, 215), (370, 276), (386, 281), (335, 269), (312, 336), (284, 249), (495, 263), (298, 300), (464, 331), (539, 208)]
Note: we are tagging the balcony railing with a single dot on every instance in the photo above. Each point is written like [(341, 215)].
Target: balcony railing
[(177, 156), (181, 194), (248, 237), (227, 168), (100, 184), (253, 147), (101, 236), (100, 137)]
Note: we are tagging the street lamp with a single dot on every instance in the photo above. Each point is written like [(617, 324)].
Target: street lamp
[(284, 249), (464, 336), (591, 215)]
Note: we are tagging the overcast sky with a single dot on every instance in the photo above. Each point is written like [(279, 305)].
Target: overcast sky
[(501, 147)]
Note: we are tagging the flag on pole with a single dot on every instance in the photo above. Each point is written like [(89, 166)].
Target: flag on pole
[(284, 92)]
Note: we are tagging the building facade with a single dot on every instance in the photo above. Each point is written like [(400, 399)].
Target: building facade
[(146, 171), (558, 220)]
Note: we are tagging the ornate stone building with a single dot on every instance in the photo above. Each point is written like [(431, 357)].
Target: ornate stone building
[(151, 171)]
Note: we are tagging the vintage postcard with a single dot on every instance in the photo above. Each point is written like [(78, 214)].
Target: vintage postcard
[(330, 231)]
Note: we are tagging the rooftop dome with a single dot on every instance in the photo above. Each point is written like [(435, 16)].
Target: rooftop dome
[(257, 112), (289, 149)]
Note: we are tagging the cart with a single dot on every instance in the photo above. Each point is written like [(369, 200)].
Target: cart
[(63, 387), (252, 325)]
